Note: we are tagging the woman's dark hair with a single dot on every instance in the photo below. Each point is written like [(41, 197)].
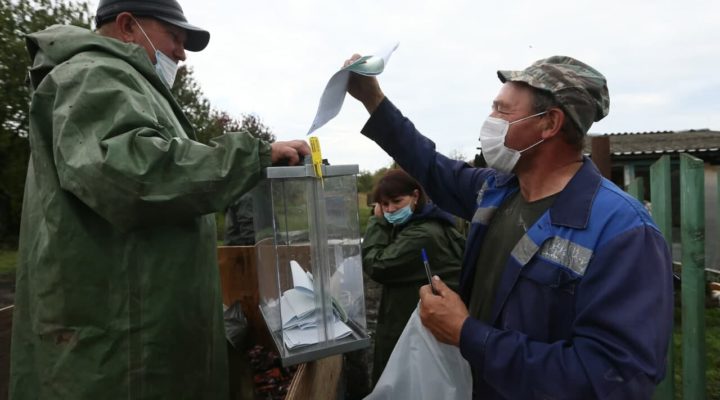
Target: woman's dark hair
[(397, 182)]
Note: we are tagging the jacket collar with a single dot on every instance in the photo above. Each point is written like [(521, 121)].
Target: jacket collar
[(572, 206)]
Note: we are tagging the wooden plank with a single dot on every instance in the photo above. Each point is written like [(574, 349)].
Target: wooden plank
[(600, 154), (661, 201), (636, 188), (6, 315), (317, 380), (661, 196), (238, 280), (628, 174), (692, 216)]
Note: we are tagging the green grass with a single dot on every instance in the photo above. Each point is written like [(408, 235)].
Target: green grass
[(8, 259), (363, 211), (712, 335), (712, 343)]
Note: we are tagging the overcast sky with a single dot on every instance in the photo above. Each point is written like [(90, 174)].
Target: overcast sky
[(273, 58)]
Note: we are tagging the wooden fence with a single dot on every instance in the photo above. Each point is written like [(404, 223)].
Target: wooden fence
[(693, 283)]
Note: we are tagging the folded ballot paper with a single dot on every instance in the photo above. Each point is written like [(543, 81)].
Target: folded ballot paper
[(333, 96), (298, 311)]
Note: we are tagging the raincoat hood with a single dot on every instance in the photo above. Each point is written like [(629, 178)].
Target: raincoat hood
[(117, 287), (431, 211)]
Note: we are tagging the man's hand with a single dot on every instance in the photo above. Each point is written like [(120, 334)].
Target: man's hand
[(364, 88), (443, 314), (290, 152)]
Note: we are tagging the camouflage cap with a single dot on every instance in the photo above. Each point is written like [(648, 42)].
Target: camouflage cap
[(580, 89)]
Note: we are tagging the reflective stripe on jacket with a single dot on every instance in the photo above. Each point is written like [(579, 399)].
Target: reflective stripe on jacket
[(584, 306)]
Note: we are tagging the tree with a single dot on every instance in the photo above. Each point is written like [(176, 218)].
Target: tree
[(365, 182), (196, 107), (251, 124), (208, 122), (18, 18), (457, 155)]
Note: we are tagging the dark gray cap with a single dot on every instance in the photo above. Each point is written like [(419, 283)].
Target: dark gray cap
[(580, 89), (165, 10)]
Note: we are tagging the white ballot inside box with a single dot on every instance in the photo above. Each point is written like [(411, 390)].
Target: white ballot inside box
[(310, 280)]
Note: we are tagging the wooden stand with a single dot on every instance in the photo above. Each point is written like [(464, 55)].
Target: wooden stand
[(238, 278)]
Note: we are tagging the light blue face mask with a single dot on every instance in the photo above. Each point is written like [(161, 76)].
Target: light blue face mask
[(165, 66), (400, 216)]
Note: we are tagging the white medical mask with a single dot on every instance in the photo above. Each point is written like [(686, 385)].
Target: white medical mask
[(492, 141), (165, 66)]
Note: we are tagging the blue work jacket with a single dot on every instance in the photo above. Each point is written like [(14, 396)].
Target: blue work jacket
[(584, 306)]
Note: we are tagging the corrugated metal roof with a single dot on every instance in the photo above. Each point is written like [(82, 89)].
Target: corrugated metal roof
[(662, 142)]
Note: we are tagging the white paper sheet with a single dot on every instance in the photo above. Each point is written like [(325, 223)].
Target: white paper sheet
[(333, 96), (296, 306), (297, 309), (301, 279), (297, 337)]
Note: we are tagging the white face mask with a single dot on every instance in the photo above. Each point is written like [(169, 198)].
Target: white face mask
[(165, 66), (492, 141)]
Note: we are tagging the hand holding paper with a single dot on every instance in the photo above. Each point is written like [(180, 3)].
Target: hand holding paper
[(333, 97)]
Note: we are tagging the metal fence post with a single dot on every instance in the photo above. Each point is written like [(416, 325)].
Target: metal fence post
[(636, 188)]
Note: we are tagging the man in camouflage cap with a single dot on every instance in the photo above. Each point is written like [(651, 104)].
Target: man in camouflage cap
[(554, 298), (580, 90)]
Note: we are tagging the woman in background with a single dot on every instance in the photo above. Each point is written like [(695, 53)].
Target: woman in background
[(403, 223)]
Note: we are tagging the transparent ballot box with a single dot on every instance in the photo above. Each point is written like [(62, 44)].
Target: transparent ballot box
[(310, 280)]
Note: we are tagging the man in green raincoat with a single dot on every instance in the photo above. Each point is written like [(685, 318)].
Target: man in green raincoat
[(118, 292)]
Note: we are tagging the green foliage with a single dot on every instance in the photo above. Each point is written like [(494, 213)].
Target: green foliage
[(17, 18), (252, 125), (8, 260), (196, 107), (363, 212), (208, 122), (365, 182), (712, 335), (380, 173)]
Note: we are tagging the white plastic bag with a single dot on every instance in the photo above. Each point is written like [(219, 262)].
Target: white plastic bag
[(421, 368)]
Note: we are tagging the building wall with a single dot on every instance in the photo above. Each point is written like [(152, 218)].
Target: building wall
[(712, 248)]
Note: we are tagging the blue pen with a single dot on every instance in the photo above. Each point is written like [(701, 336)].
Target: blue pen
[(427, 271)]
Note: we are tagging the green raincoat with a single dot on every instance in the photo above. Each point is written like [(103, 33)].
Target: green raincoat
[(118, 293), (392, 257)]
